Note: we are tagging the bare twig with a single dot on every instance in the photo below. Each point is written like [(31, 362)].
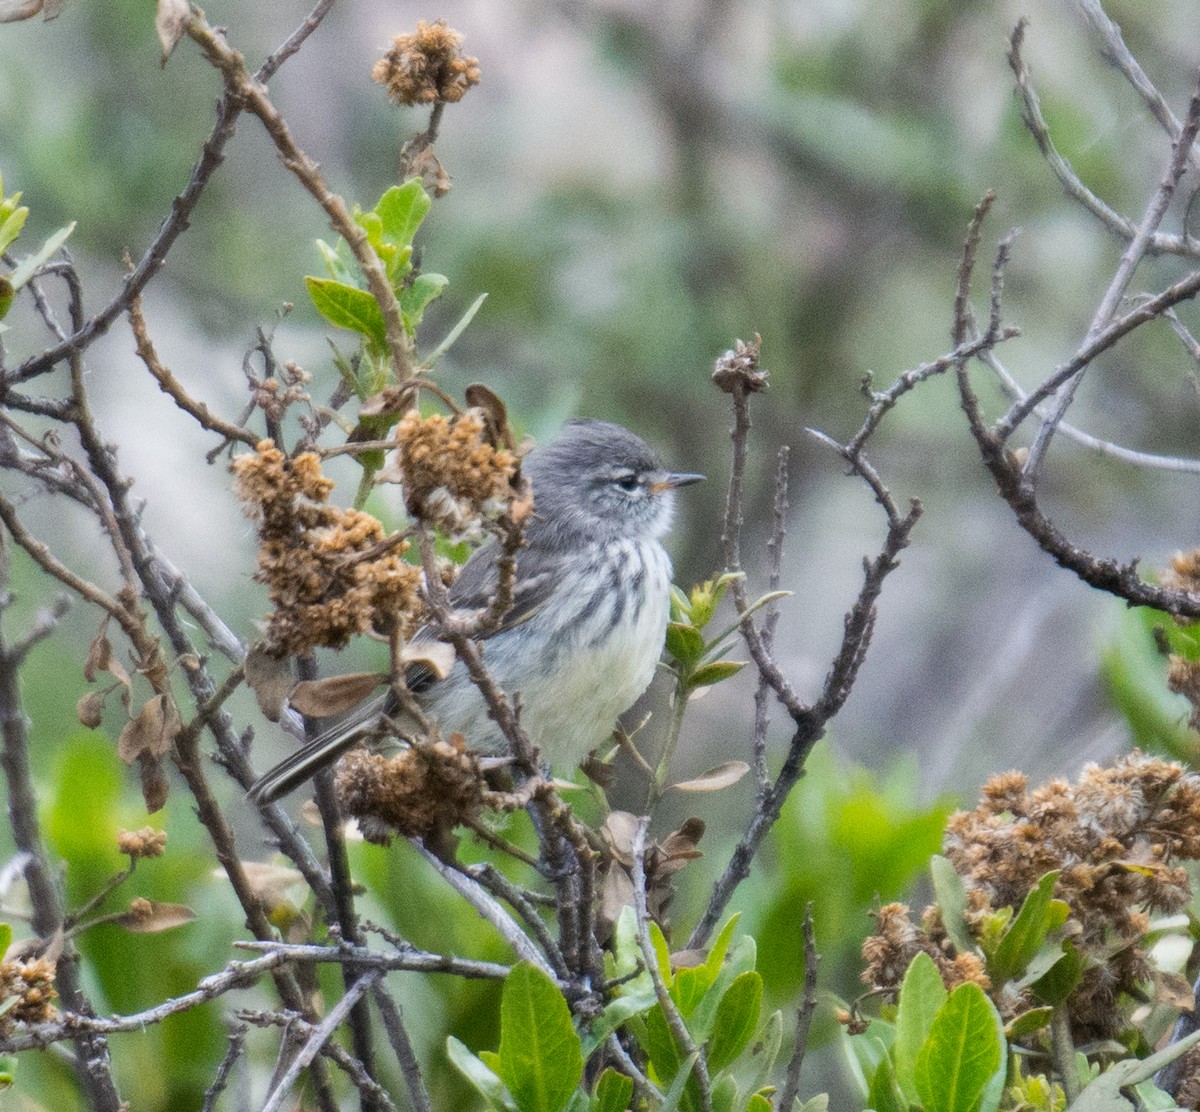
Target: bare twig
[(318, 1037), (393, 1025), (251, 94), (1031, 113), (91, 1049), (683, 1037), (171, 386), (235, 1050), (1184, 140), (808, 1005)]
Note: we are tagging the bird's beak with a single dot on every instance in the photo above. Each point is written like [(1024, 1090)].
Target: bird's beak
[(673, 479)]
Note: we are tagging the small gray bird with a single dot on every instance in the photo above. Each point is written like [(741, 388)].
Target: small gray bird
[(589, 617)]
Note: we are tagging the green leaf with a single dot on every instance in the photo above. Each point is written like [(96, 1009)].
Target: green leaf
[(5, 938), (635, 998), (674, 1095), (348, 307), (1062, 978), (819, 1103), (1028, 1022), (741, 960), (415, 299), (540, 1057), (958, 1067), (6, 296), (689, 988), (758, 1103), (1026, 933), (720, 946), (714, 672), (736, 1020), (884, 1094), (11, 228), (684, 642), (660, 1045), (26, 268), (922, 994), (662, 952), (952, 898), (766, 1049), (454, 332), (1104, 1094), (725, 1094), (339, 262), (401, 210), (613, 1092), (480, 1075)]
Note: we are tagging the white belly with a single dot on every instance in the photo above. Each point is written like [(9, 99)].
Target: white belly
[(574, 668)]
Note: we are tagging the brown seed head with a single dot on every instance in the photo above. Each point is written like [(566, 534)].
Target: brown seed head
[(426, 66)]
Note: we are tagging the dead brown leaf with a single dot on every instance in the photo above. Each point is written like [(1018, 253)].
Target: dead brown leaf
[(723, 776), (335, 694), (150, 917), (270, 678)]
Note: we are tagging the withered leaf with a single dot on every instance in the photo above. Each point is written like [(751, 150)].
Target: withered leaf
[(618, 831), (12, 11), (269, 882), (334, 694), (495, 415), (715, 778), (270, 678), (150, 917), (170, 22), (155, 785), (151, 731), (90, 708), (98, 655)]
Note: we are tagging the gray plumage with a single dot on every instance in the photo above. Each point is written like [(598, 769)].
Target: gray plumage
[(586, 628)]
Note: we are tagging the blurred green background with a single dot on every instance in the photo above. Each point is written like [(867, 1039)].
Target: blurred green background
[(635, 186)]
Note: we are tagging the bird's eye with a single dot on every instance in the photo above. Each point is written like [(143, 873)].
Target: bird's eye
[(628, 482)]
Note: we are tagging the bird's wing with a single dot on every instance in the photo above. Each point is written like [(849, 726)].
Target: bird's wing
[(474, 588)]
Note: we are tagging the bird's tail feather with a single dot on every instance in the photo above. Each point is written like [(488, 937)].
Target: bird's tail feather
[(315, 755)]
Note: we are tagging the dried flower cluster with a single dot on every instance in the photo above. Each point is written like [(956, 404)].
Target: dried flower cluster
[(146, 842), (1183, 675), (31, 983), (454, 476), (737, 371), (423, 791), (897, 940), (331, 572), (1118, 836), (426, 66)]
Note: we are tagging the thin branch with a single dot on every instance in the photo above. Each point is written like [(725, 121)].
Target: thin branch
[(92, 1062), (235, 1050), (406, 1056), (170, 385), (1183, 290), (808, 1005), (1031, 113), (1113, 49), (1130, 260), (320, 1035), (252, 95), (212, 154), (489, 909), (683, 1037)]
